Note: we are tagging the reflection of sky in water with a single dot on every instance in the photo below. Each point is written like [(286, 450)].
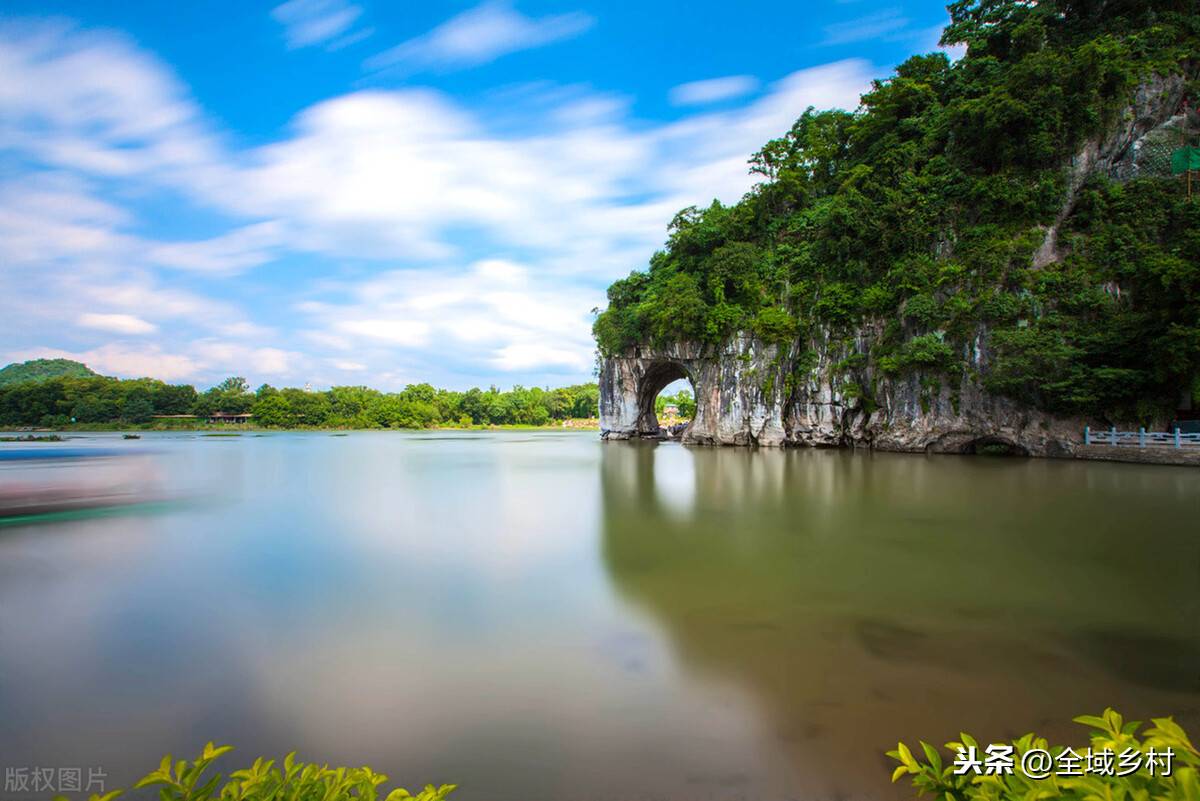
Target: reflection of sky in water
[(675, 481), (433, 607), (544, 616)]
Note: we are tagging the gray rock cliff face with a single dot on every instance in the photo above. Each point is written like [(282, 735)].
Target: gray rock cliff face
[(753, 393)]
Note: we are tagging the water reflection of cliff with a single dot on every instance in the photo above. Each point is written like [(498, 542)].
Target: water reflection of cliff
[(870, 598)]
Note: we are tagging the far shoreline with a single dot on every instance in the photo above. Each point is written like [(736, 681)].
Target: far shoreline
[(217, 428), (1092, 453)]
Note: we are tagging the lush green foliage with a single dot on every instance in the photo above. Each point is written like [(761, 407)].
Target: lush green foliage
[(266, 781), (96, 399), (99, 400), (42, 369), (924, 207), (1109, 732)]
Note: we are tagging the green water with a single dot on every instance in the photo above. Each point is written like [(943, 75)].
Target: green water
[(543, 616)]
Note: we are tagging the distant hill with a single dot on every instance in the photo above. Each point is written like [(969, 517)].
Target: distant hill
[(42, 370)]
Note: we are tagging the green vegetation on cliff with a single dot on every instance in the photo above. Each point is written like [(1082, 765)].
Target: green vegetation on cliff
[(41, 370), (921, 212)]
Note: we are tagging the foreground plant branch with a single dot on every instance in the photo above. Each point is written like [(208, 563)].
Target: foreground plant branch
[(263, 781), (1160, 765)]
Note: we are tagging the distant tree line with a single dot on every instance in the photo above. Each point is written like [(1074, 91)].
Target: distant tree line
[(101, 400)]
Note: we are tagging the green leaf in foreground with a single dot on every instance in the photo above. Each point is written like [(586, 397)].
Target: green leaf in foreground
[(264, 781), (1109, 732)]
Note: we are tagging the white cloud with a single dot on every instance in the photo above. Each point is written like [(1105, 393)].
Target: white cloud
[(235, 358), (501, 271), (237, 250), (209, 358), (395, 174), (454, 242), (477, 36), (312, 22), (54, 217), (122, 360), (94, 102), (873, 26), (406, 333), (712, 90), (132, 293), (704, 156), (535, 355), (398, 174), (57, 217), (117, 323), (492, 313)]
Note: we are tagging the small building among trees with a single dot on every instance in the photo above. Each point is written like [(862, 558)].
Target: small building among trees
[(239, 418)]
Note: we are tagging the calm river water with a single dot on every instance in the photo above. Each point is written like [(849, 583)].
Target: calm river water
[(543, 617)]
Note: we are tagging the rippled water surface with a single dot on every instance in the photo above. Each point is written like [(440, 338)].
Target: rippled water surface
[(540, 616)]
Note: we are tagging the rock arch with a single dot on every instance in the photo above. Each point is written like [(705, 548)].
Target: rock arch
[(750, 392), (657, 375), (731, 407), (630, 385)]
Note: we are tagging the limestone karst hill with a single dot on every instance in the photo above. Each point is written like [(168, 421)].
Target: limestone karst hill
[(993, 250)]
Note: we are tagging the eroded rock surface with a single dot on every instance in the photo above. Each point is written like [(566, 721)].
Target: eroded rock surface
[(814, 393)]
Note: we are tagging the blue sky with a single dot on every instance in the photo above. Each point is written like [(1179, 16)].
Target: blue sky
[(335, 192)]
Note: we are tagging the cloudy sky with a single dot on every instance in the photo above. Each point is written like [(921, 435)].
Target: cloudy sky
[(381, 192)]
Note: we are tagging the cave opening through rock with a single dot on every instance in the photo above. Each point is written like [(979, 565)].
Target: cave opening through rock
[(666, 390), (994, 446)]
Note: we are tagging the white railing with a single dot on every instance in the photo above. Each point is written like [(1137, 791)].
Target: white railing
[(1141, 438)]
